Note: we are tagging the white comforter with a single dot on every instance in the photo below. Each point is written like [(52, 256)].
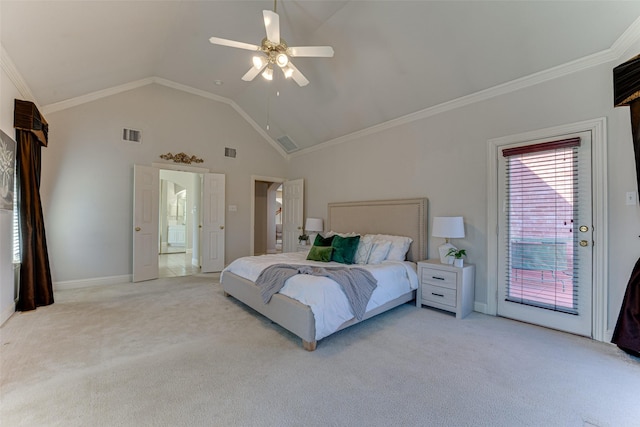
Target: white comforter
[(328, 302)]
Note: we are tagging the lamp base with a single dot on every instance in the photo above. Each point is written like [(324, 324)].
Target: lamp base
[(444, 250)]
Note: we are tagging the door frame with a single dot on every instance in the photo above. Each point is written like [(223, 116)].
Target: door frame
[(600, 289), (252, 207), (173, 167)]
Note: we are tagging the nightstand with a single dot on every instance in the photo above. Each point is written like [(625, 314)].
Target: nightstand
[(303, 248), (446, 287)]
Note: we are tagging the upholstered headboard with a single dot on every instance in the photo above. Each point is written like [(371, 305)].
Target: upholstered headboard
[(404, 217)]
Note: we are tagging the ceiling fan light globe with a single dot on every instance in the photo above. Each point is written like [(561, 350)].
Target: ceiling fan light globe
[(268, 73), (287, 71), (258, 62), (282, 60)]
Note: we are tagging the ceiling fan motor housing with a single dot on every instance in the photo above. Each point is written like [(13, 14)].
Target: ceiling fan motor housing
[(276, 53)]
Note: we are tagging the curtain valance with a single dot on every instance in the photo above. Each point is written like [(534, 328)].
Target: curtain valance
[(28, 118)]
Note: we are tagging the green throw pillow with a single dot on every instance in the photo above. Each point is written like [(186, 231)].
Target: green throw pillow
[(323, 241), (344, 249), (320, 253)]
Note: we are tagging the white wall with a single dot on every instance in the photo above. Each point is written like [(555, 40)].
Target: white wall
[(87, 172), (444, 158)]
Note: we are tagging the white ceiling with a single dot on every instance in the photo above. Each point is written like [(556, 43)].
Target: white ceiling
[(392, 58)]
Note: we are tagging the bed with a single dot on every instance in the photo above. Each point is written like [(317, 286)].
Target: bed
[(404, 217)]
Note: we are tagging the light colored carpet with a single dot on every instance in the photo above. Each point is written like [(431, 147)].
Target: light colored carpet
[(176, 352)]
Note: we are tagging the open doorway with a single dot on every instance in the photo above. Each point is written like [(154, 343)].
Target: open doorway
[(179, 211), (267, 236)]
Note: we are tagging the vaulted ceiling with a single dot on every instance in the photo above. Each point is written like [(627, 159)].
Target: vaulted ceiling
[(392, 58)]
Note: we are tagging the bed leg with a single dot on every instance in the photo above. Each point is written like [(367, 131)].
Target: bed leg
[(226, 294), (309, 346)]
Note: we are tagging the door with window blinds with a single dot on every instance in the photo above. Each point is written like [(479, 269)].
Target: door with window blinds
[(545, 233)]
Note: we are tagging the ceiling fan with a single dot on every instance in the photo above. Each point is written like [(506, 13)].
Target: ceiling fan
[(275, 52)]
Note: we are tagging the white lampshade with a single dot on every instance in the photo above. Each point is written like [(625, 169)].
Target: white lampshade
[(288, 71), (268, 73), (448, 227), (314, 224)]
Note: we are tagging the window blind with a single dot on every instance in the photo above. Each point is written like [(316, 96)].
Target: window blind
[(16, 227), (541, 205)]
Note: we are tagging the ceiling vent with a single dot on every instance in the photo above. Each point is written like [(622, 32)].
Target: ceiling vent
[(230, 152), (132, 135), (287, 143)]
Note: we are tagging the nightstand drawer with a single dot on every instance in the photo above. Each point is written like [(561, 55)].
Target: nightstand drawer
[(448, 279), (438, 294)]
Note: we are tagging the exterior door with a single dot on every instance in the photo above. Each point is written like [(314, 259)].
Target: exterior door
[(292, 213), (146, 200), (213, 222), (545, 235)]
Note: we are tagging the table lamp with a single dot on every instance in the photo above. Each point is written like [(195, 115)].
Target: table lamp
[(312, 227), (449, 227)]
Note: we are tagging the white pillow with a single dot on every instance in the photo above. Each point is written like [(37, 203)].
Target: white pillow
[(333, 233), (399, 246), (379, 252), (364, 249)]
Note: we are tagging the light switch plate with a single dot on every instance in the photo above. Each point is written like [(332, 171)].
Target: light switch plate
[(632, 198)]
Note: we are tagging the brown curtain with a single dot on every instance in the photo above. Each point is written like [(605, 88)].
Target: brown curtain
[(626, 334), (36, 287)]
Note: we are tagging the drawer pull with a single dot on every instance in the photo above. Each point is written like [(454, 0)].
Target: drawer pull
[(437, 278), (437, 295)]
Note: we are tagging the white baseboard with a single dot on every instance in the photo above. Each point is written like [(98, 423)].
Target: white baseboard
[(608, 334), (7, 313), (97, 281)]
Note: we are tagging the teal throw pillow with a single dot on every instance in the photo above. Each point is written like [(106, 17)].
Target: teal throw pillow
[(323, 241), (320, 253), (344, 249)]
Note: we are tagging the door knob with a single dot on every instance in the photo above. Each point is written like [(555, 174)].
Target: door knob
[(222, 227), (584, 228), (584, 243), (138, 228)]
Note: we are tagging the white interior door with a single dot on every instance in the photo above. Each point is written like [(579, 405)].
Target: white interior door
[(146, 200), (213, 222), (292, 213), (545, 256)]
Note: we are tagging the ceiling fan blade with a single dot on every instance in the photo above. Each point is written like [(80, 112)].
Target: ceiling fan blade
[(272, 25), (232, 43), (314, 51), (297, 76), (252, 73)]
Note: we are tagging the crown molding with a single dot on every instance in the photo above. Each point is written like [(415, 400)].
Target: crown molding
[(227, 101), (575, 66), (630, 36), (16, 78), (73, 102), (93, 96)]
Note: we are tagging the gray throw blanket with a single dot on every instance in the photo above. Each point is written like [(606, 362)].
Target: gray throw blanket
[(357, 283)]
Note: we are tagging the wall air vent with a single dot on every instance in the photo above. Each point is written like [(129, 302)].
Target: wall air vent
[(132, 135), (287, 143), (230, 152)]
